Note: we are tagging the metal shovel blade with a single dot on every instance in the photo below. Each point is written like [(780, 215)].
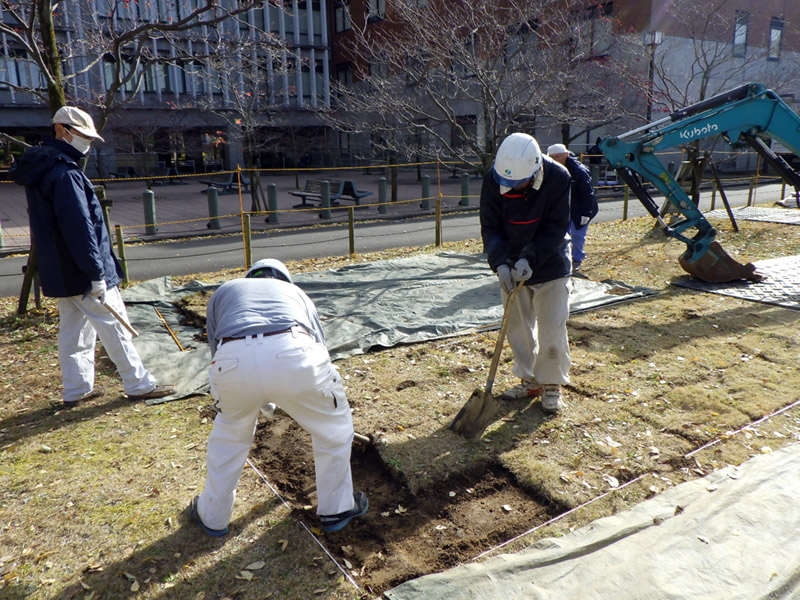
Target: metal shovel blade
[(717, 266), (476, 414)]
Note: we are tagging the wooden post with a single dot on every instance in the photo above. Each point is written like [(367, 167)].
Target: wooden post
[(248, 241), (121, 251), (625, 204), (438, 233)]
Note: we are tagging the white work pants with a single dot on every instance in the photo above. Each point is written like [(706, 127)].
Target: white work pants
[(537, 331), (81, 320), (295, 372)]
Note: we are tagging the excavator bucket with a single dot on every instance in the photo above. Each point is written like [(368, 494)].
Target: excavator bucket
[(717, 266)]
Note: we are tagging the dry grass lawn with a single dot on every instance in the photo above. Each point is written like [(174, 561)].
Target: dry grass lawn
[(664, 389)]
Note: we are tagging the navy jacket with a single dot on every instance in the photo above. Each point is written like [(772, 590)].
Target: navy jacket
[(531, 225), (66, 220), (582, 198)]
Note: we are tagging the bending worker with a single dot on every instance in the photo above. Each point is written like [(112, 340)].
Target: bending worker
[(76, 263), (524, 211), (267, 346), (583, 203)]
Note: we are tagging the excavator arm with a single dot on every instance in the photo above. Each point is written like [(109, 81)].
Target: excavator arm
[(744, 114)]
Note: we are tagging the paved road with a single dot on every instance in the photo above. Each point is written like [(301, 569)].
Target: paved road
[(209, 254)]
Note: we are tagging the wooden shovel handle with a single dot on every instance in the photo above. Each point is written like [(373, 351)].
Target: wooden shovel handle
[(498, 346)]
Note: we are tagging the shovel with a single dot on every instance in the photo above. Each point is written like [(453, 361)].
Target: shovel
[(481, 407)]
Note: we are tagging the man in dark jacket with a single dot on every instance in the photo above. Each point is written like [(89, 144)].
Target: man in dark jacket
[(524, 214), (76, 263), (582, 200)]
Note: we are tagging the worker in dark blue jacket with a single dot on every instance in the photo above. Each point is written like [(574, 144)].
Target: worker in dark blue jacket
[(524, 212), (76, 263), (583, 202)]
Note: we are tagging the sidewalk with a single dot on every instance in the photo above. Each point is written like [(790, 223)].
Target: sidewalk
[(181, 208)]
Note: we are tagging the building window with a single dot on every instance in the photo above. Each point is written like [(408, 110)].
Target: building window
[(377, 10), (775, 38), (593, 35), (740, 29), (344, 74), (341, 16)]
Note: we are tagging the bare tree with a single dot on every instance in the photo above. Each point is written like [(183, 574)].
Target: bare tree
[(451, 79), (112, 47)]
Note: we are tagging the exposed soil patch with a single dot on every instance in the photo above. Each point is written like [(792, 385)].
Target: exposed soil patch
[(403, 536)]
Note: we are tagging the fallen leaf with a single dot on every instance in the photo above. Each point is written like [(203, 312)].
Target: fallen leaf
[(347, 563), (283, 544), (255, 566), (135, 586), (506, 508), (611, 481), (400, 510), (246, 575), (348, 550)]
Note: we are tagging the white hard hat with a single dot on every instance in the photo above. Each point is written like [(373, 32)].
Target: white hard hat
[(78, 120), (518, 159), (269, 267), (557, 149)]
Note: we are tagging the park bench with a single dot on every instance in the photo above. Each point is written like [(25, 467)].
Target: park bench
[(229, 183), (340, 189)]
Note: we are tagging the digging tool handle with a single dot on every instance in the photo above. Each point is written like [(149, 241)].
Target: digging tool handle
[(119, 318), (498, 347)]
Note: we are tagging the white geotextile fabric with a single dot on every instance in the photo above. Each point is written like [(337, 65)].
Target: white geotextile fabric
[(732, 535), (362, 307)]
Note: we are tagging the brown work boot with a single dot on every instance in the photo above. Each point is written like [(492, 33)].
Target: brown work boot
[(157, 392), (98, 392)]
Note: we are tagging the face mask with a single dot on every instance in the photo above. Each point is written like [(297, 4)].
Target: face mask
[(80, 144)]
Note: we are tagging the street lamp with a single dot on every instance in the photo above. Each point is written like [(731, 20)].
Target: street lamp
[(651, 39)]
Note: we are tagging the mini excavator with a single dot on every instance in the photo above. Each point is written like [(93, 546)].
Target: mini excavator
[(746, 114)]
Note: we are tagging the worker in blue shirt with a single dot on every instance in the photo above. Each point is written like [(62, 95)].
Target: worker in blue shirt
[(583, 203)]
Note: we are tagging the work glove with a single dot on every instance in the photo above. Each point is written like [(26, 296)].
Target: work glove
[(506, 281), (522, 270), (98, 291), (585, 221)]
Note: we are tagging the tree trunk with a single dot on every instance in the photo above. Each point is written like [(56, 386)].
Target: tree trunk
[(55, 80)]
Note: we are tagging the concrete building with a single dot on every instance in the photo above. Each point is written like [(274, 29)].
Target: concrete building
[(201, 98), (187, 99)]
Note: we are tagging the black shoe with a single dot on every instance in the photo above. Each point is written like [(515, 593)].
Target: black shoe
[(337, 522), (157, 392), (97, 392), (194, 516)]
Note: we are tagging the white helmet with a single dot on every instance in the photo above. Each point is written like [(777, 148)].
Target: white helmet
[(517, 160), (270, 267)]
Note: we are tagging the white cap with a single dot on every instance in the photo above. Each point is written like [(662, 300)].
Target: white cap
[(78, 120), (557, 149)]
